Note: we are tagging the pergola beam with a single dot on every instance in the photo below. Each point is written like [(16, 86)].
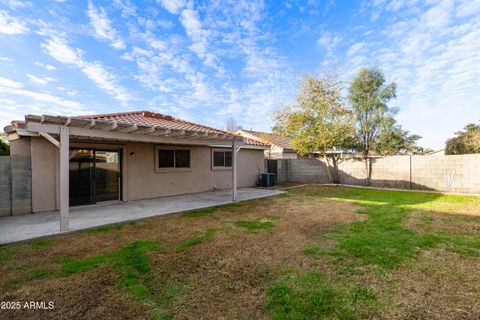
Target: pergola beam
[(51, 139), (120, 136)]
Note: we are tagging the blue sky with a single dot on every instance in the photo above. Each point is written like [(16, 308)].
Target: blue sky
[(208, 61)]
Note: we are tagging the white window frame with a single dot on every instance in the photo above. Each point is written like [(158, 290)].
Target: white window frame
[(172, 169), (212, 159)]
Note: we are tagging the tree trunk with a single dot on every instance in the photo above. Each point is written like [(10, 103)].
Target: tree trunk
[(367, 167), (335, 160), (329, 173)]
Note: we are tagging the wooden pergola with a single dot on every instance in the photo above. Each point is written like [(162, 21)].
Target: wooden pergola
[(59, 130)]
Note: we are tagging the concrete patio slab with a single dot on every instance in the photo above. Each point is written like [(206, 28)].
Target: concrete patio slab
[(31, 226)]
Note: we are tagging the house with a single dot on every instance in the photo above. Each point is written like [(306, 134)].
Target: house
[(439, 152), (82, 160), (280, 147)]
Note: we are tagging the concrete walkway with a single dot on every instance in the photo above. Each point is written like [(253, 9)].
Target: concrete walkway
[(30, 226)]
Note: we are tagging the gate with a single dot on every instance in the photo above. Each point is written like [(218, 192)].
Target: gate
[(272, 166)]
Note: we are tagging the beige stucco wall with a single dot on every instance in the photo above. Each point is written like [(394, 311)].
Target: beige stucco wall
[(140, 181), (20, 146), (44, 175), (143, 182)]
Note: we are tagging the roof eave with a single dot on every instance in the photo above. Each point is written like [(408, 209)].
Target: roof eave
[(111, 129)]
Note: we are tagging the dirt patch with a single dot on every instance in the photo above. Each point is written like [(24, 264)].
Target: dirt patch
[(441, 285), (90, 295), (227, 277), (430, 222), (224, 277)]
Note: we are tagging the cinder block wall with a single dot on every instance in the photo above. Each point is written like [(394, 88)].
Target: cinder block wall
[(5, 187), (21, 184), (453, 173), (15, 185), (301, 170)]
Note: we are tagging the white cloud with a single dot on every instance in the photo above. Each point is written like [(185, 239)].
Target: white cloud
[(468, 8), (11, 87), (11, 25), (38, 80), (59, 49), (355, 49), (438, 16), (193, 27), (105, 80), (103, 27), (5, 59), (9, 83), (16, 3), (8, 102), (329, 41), (434, 59), (172, 6), (49, 67), (128, 9)]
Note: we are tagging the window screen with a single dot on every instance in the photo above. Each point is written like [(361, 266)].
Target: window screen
[(218, 159), (228, 159), (166, 158), (182, 158), (222, 159)]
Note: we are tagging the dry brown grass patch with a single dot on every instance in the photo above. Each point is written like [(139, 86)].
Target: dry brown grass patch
[(441, 285)]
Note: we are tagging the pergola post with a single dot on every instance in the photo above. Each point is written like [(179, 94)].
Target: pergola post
[(64, 177), (234, 170)]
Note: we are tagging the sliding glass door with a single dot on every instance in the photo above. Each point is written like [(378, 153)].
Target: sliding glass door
[(94, 176)]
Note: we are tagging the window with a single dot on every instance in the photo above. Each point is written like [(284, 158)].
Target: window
[(171, 159), (166, 158), (221, 159), (182, 158)]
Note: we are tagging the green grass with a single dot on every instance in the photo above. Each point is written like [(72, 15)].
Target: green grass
[(42, 243), (309, 296), (137, 277), (209, 211), (27, 275), (254, 225), (199, 238), (9, 252), (106, 228), (382, 240), (131, 261)]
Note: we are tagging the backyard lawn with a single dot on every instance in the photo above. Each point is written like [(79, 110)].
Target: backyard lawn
[(315, 252)]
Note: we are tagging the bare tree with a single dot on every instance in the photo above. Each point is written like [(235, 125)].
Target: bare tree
[(232, 125)]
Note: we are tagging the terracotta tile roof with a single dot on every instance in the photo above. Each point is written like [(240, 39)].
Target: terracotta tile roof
[(270, 138), (254, 142), (149, 118)]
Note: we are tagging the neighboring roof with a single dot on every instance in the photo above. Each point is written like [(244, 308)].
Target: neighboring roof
[(436, 152), (253, 142), (145, 122), (269, 139)]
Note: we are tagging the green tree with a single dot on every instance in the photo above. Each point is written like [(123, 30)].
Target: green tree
[(4, 145), (393, 139), (466, 141), (319, 120), (369, 95)]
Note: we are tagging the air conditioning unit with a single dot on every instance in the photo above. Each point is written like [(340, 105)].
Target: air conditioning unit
[(267, 180)]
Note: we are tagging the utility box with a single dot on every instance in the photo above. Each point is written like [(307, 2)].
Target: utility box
[(267, 180)]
